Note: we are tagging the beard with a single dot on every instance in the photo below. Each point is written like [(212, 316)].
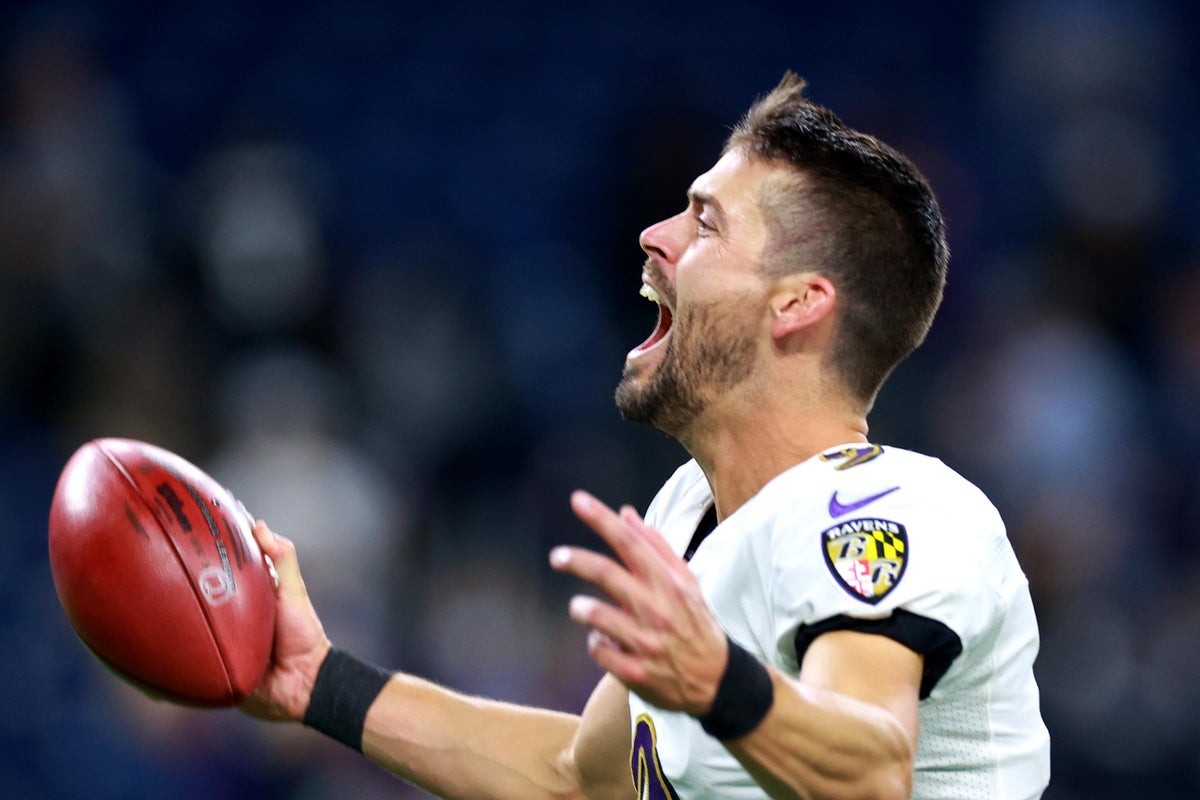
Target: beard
[(710, 352)]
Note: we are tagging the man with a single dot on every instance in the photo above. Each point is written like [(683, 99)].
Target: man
[(801, 613)]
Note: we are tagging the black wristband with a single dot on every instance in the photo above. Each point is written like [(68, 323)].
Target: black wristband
[(345, 688), (744, 696)]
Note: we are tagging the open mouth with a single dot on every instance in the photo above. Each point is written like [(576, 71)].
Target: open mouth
[(662, 329)]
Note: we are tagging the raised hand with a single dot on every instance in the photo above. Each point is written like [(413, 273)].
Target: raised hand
[(658, 636)]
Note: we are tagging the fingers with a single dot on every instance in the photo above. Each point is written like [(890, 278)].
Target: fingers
[(650, 565), (652, 537), (659, 638), (627, 542), (628, 669), (616, 642), (600, 571), (616, 625), (282, 555)]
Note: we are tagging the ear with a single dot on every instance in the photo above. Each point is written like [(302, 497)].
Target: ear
[(799, 302)]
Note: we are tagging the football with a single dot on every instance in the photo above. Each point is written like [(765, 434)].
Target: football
[(157, 569)]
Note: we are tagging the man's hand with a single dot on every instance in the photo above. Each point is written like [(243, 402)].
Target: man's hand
[(300, 642), (659, 637)]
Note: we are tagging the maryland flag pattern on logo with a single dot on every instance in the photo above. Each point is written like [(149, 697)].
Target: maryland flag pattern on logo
[(866, 556)]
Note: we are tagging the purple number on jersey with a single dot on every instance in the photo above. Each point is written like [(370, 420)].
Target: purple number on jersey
[(648, 775)]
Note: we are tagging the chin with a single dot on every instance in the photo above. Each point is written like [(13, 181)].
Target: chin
[(657, 402), (640, 401), (632, 402)]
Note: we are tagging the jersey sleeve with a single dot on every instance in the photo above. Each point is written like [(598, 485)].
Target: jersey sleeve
[(914, 571)]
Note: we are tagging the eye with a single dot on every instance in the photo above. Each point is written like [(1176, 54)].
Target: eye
[(702, 227)]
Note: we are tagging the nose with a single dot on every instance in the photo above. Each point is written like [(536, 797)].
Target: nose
[(662, 240)]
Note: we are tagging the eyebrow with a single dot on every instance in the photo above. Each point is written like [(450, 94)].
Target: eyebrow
[(705, 199)]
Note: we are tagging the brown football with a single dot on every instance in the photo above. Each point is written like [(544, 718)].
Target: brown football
[(158, 571)]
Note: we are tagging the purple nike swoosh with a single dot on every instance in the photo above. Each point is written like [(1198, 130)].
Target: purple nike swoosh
[(836, 509)]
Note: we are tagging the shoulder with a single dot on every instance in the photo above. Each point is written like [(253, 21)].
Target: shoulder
[(915, 473), (903, 486), (940, 516), (900, 529), (897, 544), (948, 519)]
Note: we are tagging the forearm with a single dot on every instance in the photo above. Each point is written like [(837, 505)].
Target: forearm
[(817, 744), (463, 747), (449, 744)]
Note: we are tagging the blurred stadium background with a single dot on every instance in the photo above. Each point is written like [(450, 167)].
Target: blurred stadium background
[(375, 266)]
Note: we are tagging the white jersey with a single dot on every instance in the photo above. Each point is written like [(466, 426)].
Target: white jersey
[(881, 540)]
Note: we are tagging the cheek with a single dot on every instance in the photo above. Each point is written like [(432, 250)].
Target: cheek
[(731, 299), (699, 282)]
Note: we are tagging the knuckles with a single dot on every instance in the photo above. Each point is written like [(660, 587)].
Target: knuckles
[(653, 647), (656, 618)]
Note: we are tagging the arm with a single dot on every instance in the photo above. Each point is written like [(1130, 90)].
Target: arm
[(470, 748), (846, 728), (447, 743)]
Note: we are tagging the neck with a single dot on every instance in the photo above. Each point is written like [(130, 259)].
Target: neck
[(741, 455)]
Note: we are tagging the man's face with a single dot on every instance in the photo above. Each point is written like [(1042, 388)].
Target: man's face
[(702, 268)]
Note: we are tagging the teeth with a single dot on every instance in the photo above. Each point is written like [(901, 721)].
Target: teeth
[(649, 293)]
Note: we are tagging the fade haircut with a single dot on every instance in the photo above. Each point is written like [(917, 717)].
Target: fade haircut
[(858, 212)]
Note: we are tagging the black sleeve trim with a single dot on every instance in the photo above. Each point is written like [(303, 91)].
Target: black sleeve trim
[(934, 641)]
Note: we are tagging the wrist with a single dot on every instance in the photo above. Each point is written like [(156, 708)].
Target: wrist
[(308, 672), (744, 696), (343, 690)]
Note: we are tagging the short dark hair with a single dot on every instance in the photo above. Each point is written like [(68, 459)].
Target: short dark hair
[(858, 212)]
